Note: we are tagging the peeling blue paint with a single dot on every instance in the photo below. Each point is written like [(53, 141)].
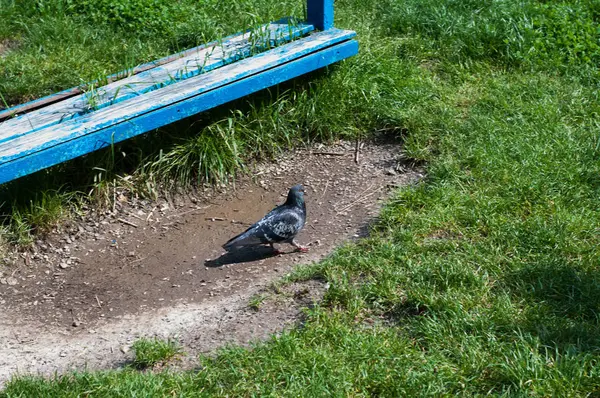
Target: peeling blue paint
[(150, 80), (320, 13)]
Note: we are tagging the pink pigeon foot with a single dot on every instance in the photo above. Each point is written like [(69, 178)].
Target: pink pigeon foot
[(299, 247), (276, 251)]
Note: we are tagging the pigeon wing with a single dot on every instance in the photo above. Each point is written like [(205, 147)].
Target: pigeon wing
[(283, 226), (280, 224)]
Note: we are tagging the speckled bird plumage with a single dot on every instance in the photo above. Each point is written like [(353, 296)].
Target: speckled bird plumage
[(280, 225)]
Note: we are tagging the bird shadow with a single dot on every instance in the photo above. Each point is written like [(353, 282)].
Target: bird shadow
[(244, 255)]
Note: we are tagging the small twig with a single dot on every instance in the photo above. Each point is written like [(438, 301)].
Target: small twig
[(138, 260), (360, 196), (189, 211), (365, 191), (17, 338), (98, 301), (329, 153), (150, 215), (358, 200), (135, 216), (357, 150), (324, 190), (127, 222), (114, 203), (215, 219)]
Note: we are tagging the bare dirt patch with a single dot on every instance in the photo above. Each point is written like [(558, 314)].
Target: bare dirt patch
[(6, 45), (82, 296)]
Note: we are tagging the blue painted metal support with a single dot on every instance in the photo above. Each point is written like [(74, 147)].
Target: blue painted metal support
[(320, 13)]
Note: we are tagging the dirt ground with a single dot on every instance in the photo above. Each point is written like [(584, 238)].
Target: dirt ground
[(83, 295), (6, 45)]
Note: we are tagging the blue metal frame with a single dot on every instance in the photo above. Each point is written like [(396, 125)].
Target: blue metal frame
[(320, 13)]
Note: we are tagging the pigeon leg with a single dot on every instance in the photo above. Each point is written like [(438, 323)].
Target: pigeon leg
[(275, 250), (299, 247)]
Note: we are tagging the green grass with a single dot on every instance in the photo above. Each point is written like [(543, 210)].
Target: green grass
[(257, 300), (151, 352), (483, 278)]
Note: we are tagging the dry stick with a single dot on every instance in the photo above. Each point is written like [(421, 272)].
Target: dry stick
[(325, 190), (114, 204), (356, 150), (127, 222), (189, 211), (98, 301), (329, 153), (215, 219), (150, 215), (358, 200), (360, 195), (135, 216), (366, 190)]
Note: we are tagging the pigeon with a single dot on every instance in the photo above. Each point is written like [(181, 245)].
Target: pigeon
[(280, 225)]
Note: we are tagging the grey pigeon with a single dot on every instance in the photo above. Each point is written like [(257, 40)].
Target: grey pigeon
[(280, 225)]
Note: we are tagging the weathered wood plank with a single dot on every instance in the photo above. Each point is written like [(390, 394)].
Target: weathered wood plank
[(259, 72), (206, 59), (127, 109), (56, 97)]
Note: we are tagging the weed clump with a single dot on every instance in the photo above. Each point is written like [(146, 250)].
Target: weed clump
[(150, 352)]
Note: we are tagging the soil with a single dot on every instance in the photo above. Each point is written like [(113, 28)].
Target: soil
[(6, 45), (81, 296)]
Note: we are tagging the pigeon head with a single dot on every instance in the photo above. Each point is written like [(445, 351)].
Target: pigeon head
[(295, 195)]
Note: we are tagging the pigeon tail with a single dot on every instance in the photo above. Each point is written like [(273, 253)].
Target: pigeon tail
[(244, 239)]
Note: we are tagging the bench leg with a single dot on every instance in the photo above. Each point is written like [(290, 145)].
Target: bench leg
[(320, 13)]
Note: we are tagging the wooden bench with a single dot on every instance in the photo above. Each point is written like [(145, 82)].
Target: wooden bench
[(63, 126)]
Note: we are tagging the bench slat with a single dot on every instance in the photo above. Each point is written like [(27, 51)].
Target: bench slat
[(205, 59), (53, 145)]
